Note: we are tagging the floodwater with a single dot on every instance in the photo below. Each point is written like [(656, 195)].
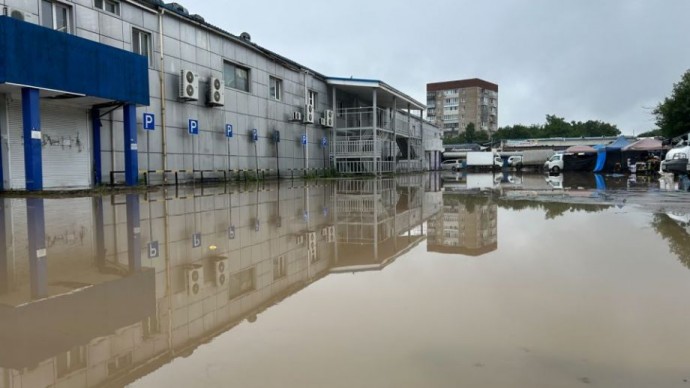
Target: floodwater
[(431, 280)]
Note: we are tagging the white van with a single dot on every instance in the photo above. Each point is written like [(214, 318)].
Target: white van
[(554, 163)]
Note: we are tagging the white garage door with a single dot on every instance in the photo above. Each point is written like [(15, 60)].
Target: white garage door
[(66, 147)]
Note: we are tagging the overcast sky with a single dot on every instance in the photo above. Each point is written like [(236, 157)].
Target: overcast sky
[(609, 60)]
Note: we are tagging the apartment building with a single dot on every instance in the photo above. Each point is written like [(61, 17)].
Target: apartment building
[(452, 105), (142, 86)]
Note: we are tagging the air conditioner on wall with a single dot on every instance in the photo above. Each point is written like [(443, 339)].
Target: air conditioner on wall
[(296, 116), (309, 114), (300, 240), (322, 121), (194, 275), (328, 115), (189, 85), (216, 92), (19, 15), (220, 268)]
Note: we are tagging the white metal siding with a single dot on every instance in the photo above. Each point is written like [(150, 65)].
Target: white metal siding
[(66, 147)]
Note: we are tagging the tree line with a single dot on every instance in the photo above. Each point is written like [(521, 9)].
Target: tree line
[(553, 127)]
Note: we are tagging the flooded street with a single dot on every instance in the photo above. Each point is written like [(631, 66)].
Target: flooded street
[(430, 280)]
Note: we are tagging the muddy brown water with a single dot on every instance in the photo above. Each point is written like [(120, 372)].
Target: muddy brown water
[(430, 280)]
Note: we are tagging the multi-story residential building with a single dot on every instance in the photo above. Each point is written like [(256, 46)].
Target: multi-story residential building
[(466, 225), (92, 89), (452, 105)]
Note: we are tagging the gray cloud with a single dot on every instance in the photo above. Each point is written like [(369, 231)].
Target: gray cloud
[(581, 59)]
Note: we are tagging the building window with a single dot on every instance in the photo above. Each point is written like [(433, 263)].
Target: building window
[(279, 269), (57, 16), (141, 43), (71, 361), (275, 88), (241, 283), (312, 98), (236, 77), (119, 364), (108, 6)]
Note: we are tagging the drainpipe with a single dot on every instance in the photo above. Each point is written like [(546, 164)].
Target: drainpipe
[(161, 77)]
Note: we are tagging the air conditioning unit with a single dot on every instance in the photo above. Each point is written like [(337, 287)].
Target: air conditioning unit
[(308, 114), (300, 240), (328, 115), (216, 92), (220, 269), (189, 85), (311, 237), (322, 121), (296, 116), (331, 234), (311, 255), (19, 15), (194, 275)]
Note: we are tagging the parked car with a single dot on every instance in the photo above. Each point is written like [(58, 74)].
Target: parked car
[(452, 165)]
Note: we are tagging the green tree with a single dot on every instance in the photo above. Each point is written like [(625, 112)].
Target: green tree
[(673, 114), (470, 133)]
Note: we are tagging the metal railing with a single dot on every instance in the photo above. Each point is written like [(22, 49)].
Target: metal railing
[(356, 147)]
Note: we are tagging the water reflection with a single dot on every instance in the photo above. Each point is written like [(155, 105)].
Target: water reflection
[(107, 289)]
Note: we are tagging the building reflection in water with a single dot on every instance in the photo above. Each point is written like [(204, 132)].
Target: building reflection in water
[(467, 224), (103, 290)]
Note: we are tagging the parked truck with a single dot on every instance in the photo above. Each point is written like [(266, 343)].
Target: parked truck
[(483, 160), (530, 158)]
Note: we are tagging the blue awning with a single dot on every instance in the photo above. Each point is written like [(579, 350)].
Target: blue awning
[(39, 57)]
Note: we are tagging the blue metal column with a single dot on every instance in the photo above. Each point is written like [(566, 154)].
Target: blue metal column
[(99, 226), (131, 158), (96, 134), (4, 263), (38, 264), (33, 165), (133, 233)]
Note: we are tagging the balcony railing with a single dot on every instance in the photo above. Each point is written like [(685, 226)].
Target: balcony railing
[(363, 118), (356, 148)]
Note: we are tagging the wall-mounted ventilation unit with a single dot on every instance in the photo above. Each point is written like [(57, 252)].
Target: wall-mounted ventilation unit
[(220, 268), (19, 14), (328, 115), (194, 275), (309, 114), (189, 85), (296, 116), (216, 89)]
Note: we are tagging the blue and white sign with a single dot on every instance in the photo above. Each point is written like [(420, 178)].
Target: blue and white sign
[(255, 134), (149, 121), (193, 127), (304, 139), (324, 142), (153, 249), (306, 215), (228, 130), (231, 232), (196, 240)]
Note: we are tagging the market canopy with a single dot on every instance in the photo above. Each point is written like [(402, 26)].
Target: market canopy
[(621, 142), (645, 145), (578, 149)]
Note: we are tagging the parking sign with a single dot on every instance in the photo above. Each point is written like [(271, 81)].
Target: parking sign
[(149, 121), (193, 127)]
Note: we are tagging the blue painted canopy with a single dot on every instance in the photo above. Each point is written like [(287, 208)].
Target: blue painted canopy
[(43, 58)]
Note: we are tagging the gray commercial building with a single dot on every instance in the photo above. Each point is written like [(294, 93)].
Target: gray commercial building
[(140, 87)]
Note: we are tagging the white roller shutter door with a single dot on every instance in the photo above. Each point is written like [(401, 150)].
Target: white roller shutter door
[(66, 147)]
